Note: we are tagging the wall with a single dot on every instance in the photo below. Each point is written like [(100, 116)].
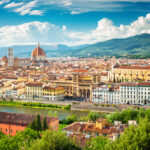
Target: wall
[(11, 129)]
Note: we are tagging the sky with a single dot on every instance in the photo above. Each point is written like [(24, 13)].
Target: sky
[(71, 22)]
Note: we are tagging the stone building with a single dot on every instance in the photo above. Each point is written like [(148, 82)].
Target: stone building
[(10, 57), (80, 86)]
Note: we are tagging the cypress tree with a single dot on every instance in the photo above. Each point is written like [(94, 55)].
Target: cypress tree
[(45, 126), (33, 125), (38, 123)]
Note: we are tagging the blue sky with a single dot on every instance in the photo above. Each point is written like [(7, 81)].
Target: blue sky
[(71, 22)]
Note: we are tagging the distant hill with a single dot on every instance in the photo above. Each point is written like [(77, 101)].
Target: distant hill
[(135, 45)]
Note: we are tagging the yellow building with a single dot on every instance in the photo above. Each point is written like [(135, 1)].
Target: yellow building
[(22, 79), (25, 79), (130, 73), (101, 123), (53, 93), (36, 90)]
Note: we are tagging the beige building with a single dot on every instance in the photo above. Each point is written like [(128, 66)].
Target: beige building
[(129, 73), (37, 90)]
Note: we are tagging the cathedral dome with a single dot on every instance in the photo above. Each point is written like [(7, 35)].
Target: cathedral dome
[(37, 52)]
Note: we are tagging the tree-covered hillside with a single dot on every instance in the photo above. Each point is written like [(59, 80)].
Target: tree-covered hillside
[(136, 45)]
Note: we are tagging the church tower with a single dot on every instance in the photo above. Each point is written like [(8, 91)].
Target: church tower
[(10, 57)]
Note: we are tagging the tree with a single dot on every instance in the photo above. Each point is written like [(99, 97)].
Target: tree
[(93, 116), (21, 141), (124, 116), (134, 138), (97, 143), (53, 113), (38, 123), (71, 119), (54, 140), (45, 126), (33, 125)]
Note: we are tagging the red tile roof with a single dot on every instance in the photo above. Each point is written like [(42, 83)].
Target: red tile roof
[(34, 84), (133, 67), (25, 119)]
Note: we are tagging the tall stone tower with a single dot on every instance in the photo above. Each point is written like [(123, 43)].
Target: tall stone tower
[(10, 57)]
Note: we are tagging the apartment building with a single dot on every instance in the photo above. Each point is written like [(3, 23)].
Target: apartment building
[(106, 94), (135, 93), (37, 90), (125, 93)]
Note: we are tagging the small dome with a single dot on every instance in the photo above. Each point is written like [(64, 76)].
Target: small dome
[(38, 51), (5, 59)]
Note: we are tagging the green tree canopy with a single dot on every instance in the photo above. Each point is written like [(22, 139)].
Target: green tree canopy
[(21, 141), (133, 138), (93, 116), (97, 143), (54, 140)]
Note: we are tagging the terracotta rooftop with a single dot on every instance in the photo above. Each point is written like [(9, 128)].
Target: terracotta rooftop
[(136, 84), (133, 67), (38, 51), (53, 88), (89, 127), (80, 70), (34, 84), (25, 119)]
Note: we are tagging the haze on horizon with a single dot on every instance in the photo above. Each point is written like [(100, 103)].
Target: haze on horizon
[(71, 22)]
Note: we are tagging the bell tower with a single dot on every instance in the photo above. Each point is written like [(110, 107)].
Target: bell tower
[(10, 57)]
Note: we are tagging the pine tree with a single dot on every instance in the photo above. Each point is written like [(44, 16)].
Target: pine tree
[(45, 126), (38, 123)]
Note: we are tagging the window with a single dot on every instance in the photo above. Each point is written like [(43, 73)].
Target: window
[(6, 130), (11, 130)]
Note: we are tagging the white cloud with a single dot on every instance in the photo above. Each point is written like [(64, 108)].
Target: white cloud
[(28, 9), (48, 33), (83, 6), (75, 12), (36, 12), (72, 6), (107, 30), (13, 4), (4, 1), (32, 32)]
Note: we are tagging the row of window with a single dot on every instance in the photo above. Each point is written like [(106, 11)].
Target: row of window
[(6, 130)]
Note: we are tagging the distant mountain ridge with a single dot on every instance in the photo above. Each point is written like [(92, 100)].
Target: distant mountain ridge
[(135, 45), (138, 45)]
